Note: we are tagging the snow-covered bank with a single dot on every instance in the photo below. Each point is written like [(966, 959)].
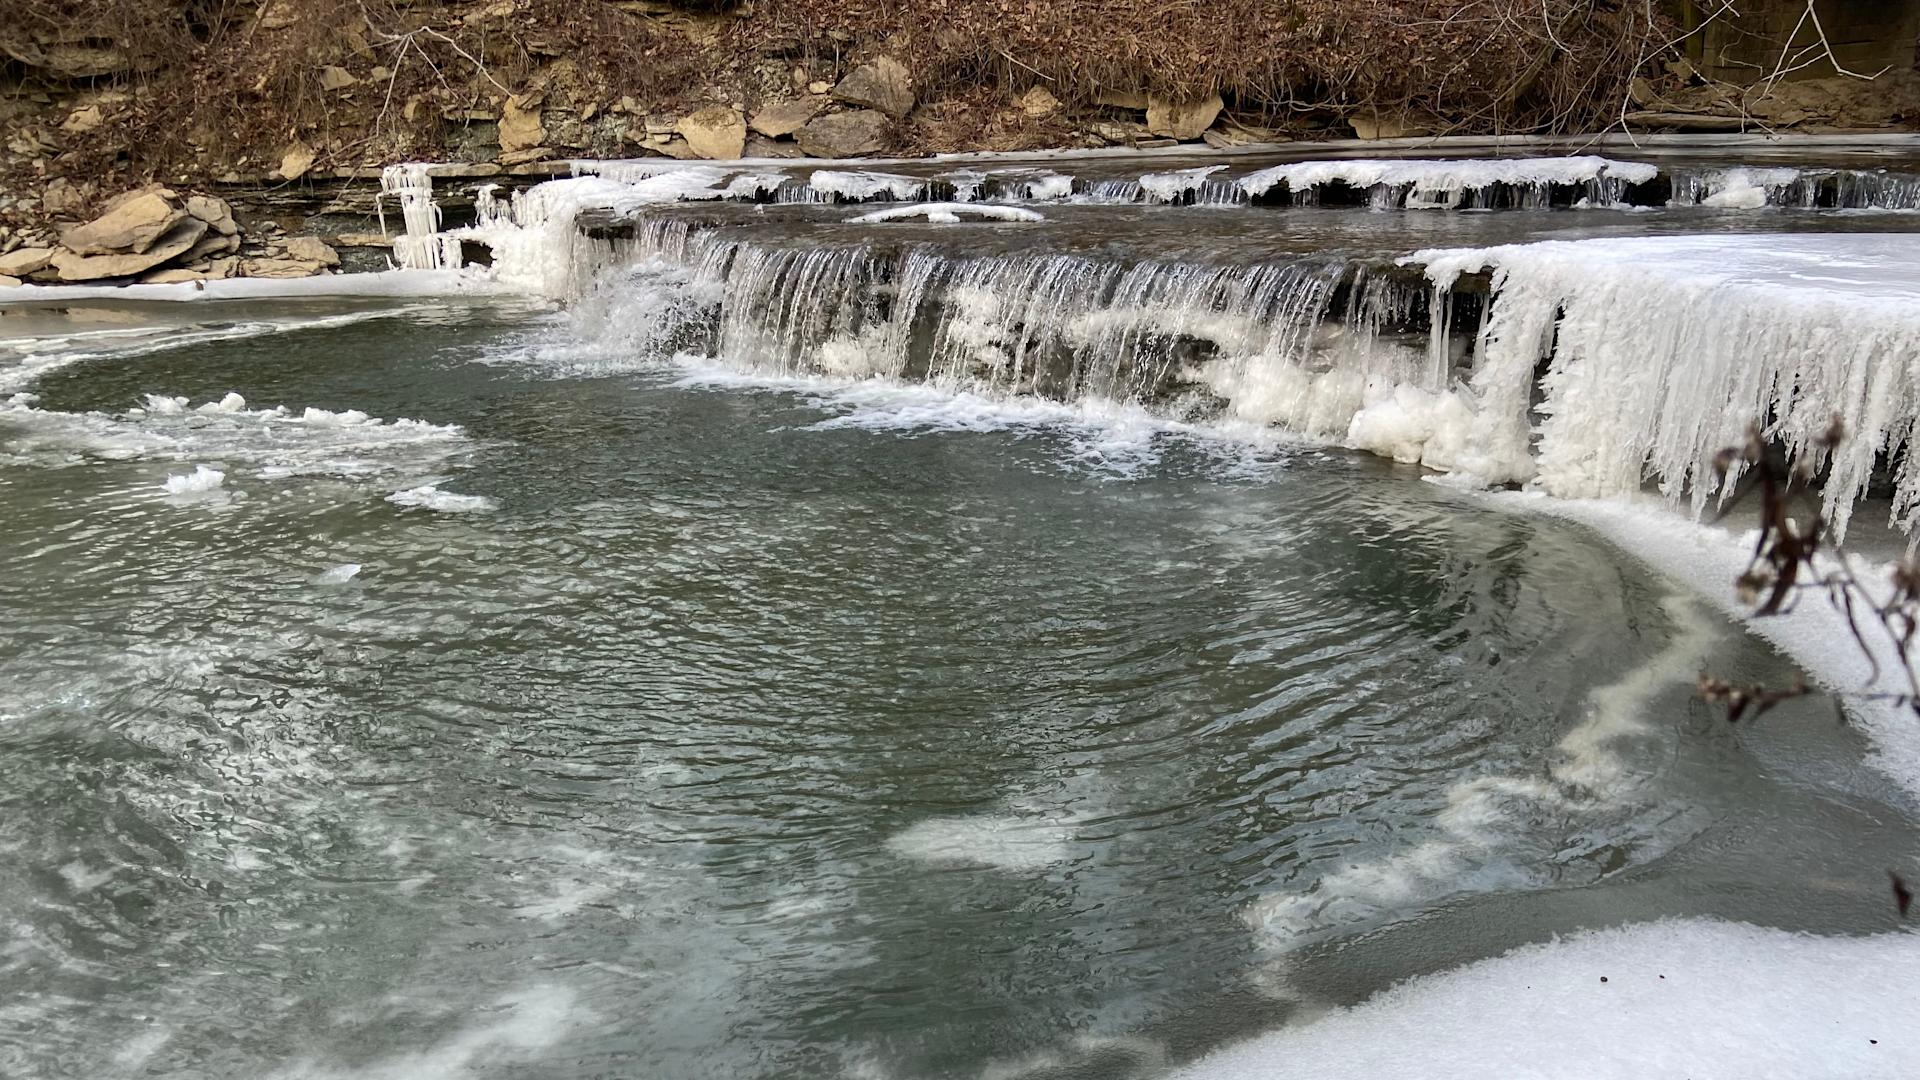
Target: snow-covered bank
[(1697, 998)]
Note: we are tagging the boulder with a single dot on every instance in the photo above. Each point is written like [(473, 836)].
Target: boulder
[(842, 135), (883, 84), (520, 127), (311, 249), (132, 225), (177, 241), (7, 282), (715, 132), (295, 161), (787, 117), (1183, 120), (215, 212), (23, 261)]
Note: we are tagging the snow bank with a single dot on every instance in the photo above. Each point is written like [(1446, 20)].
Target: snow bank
[(1725, 331), (1696, 998)]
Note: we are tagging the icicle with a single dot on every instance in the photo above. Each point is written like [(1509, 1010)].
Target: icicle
[(423, 247)]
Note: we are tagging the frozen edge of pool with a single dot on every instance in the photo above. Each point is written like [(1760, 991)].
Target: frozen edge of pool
[(1695, 997), (400, 283)]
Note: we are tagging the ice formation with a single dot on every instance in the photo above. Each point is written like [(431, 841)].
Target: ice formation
[(1788, 332), (201, 479), (429, 497), (424, 246), (1425, 183), (948, 213)]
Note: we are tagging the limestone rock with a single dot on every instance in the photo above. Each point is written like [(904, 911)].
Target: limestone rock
[(1037, 102), (311, 249), (520, 127), (211, 244), (715, 132), (278, 268), (133, 225), (1183, 120), (224, 268), (61, 197), (819, 86), (171, 277), (787, 117), (841, 135), (215, 212), (81, 121), (336, 78), (23, 261), (1382, 127), (759, 146), (76, 267), (295, 161), (520, 157), (362, 240), (7, 282), (883, 84)]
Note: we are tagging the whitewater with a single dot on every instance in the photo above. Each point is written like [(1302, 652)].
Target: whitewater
[(1071, 618)]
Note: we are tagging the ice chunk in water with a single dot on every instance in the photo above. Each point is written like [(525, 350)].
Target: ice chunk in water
[(200, 479)]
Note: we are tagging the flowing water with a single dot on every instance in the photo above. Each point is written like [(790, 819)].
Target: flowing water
[(470, 689)]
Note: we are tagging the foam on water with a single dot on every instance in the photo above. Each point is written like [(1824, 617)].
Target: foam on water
[(1004, 843), (1481, 837)]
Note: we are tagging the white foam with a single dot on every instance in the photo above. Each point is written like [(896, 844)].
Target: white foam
[(337, 575), (509, 1027), (429, 497), (1004, 843), (1694, 998), (201, 479)]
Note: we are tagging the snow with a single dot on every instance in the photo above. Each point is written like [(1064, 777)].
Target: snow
[(1694, 998), (1726, 331), (948, 213)]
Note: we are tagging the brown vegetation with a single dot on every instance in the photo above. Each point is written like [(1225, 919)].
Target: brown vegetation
[(203, 84)]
